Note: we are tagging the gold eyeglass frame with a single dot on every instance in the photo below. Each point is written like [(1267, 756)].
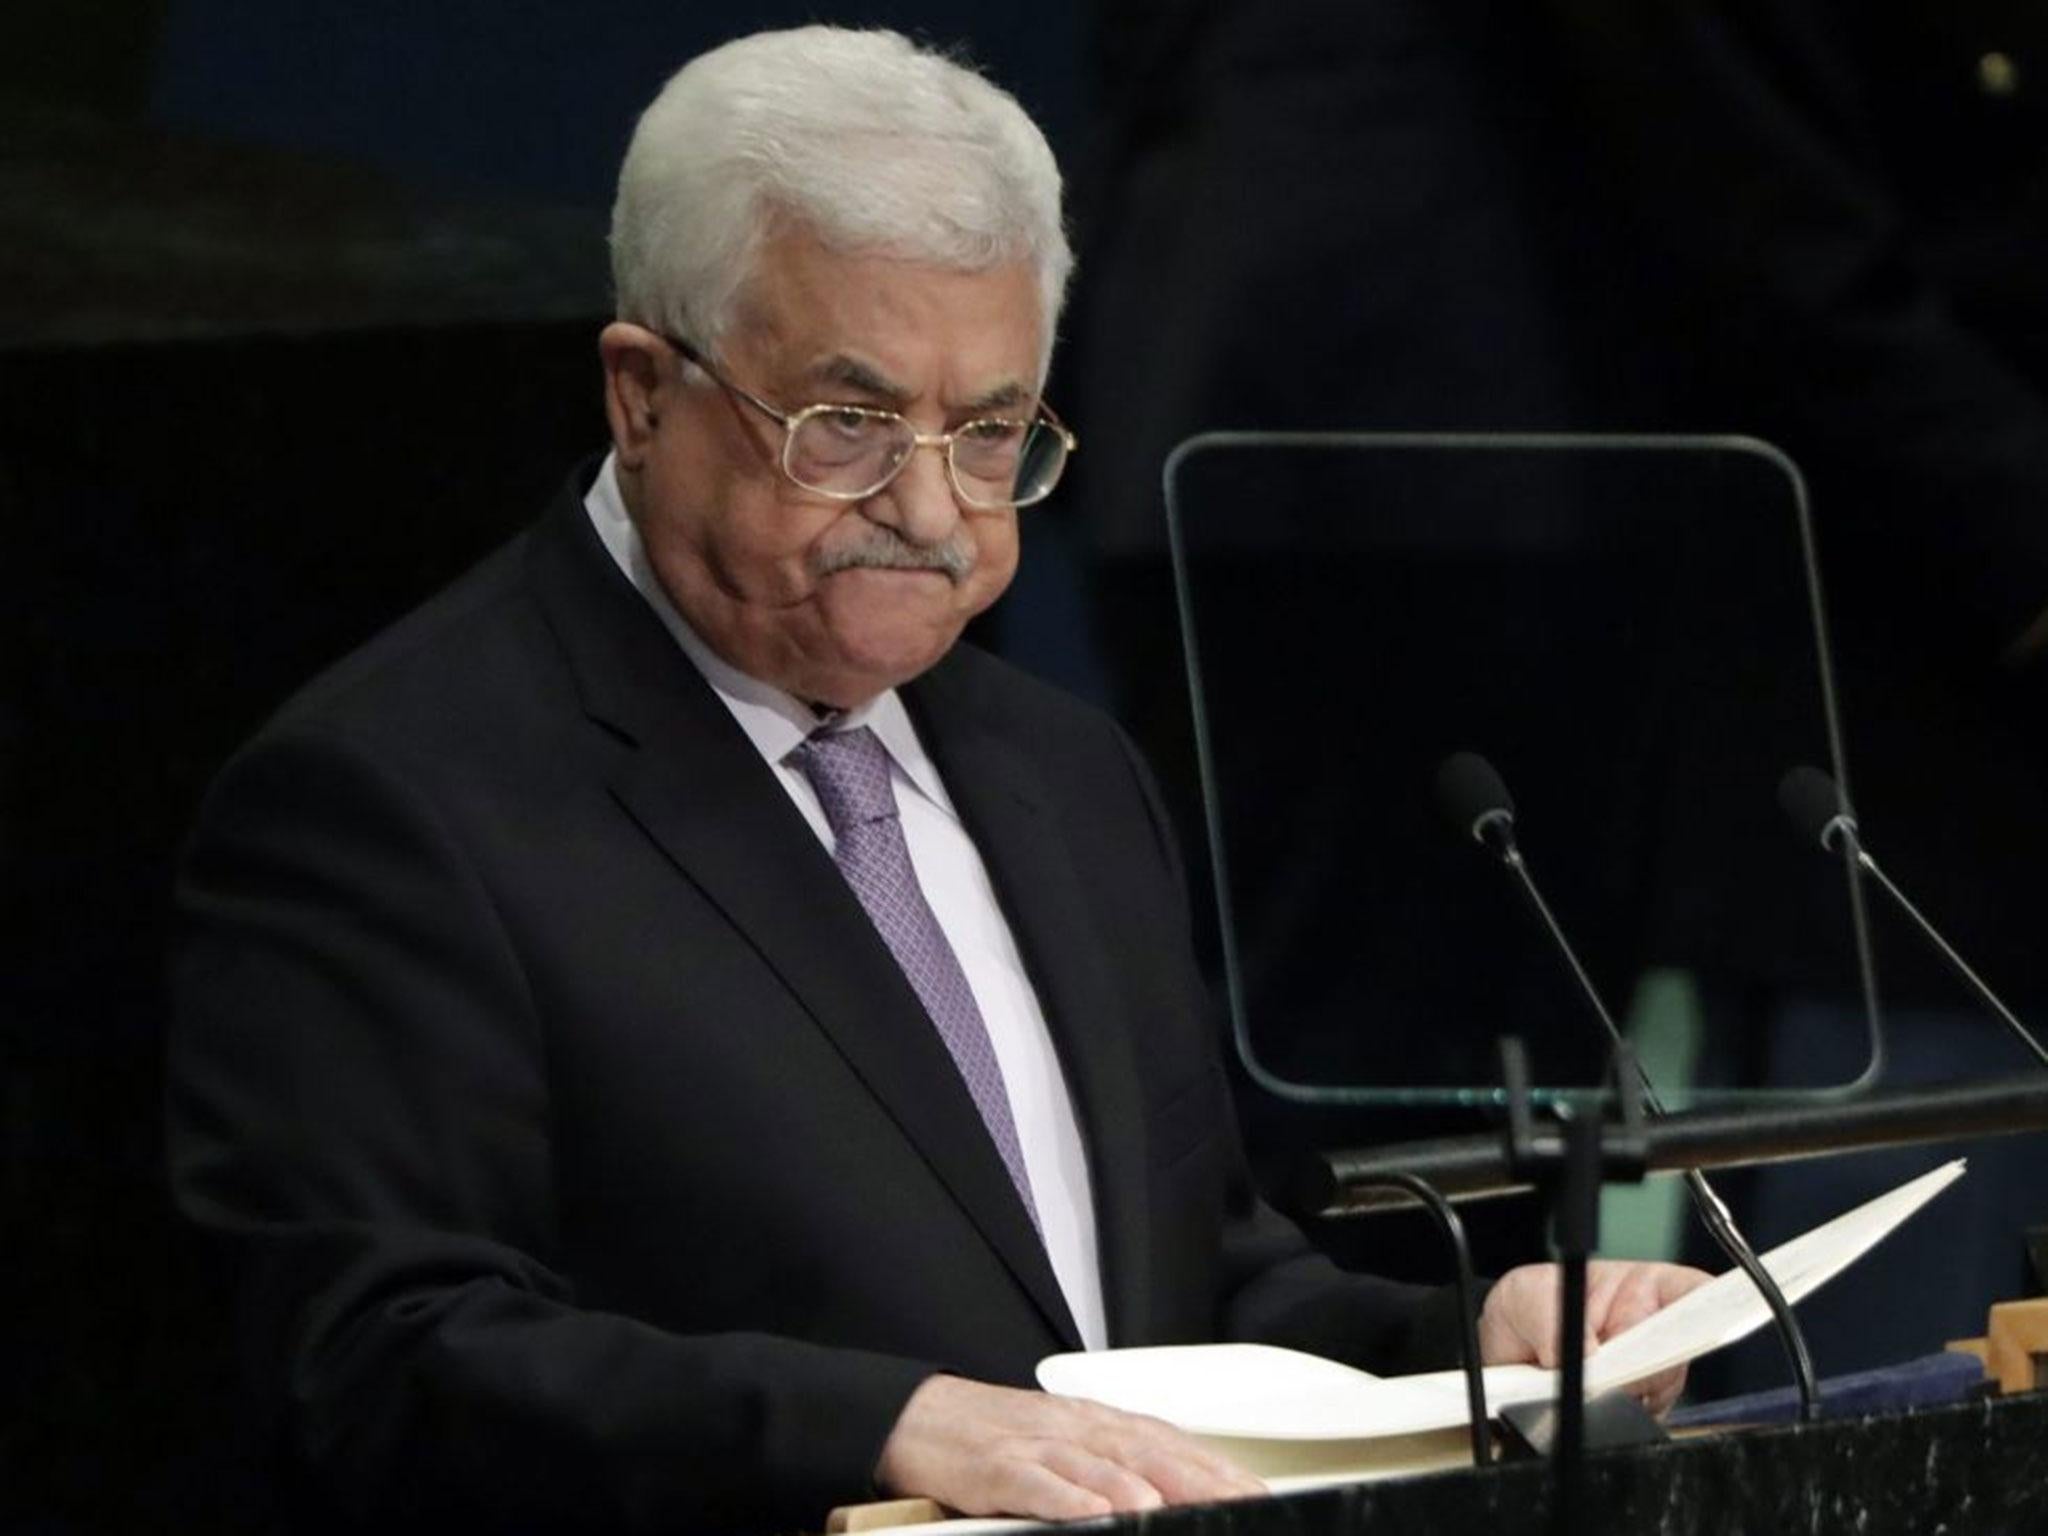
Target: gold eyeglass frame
[(790, 421)]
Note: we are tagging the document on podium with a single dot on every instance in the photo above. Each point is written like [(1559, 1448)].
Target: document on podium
[(1299, 1421), (1280, 1410)]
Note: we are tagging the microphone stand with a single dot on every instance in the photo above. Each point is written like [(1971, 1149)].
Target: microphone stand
[(1570, 1166), (1820, 811), (1946, 950), (1495, 829)]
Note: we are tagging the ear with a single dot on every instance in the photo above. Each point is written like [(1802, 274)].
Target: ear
[(639, 370)]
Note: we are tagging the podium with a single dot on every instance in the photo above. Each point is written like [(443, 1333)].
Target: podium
[(1966, 1469)]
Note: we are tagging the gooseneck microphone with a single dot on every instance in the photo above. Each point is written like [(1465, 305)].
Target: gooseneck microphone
[(1817, 807), (1820, 811), (1475, 800)]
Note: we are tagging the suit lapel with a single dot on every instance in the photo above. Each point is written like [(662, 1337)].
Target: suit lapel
[(1011, 818), (696, 786)]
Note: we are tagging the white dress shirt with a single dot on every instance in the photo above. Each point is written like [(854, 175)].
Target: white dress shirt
[(955, 883)]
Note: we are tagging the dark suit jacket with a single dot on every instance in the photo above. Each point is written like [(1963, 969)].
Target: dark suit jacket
[(587, 1156)]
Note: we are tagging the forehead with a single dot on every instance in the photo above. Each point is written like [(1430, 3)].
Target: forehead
[(815, 314)]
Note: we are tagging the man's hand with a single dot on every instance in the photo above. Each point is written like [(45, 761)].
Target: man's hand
[(1518, 1325), (987, 1450)]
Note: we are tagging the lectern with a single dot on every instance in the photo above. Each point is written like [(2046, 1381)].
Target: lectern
[(1970, 1469)]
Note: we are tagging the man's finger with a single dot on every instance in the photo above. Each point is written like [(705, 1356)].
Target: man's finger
[(1604, 1281), (1676, 1280), (1657, 1393), (1214, 1463), (1188, 1475), (1025, 1485), (1635, 1298), (1122, 1485), (1175, 1463)]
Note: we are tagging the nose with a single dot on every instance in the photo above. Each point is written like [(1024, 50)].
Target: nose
[(920, 502)]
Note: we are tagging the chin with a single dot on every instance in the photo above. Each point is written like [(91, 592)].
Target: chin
[(894, 638), (860, 671)]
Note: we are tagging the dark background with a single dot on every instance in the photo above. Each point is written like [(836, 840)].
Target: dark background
[(297, 317)]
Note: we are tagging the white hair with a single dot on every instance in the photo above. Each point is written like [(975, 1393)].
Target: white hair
[(869, 141)]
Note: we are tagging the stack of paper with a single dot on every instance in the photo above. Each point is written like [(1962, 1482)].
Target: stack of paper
[(1297, 1418)]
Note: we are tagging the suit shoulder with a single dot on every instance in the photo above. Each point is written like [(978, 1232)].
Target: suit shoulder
[(1026, 701), (1077, 748)]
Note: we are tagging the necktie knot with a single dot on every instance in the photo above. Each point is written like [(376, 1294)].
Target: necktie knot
[(850, 772)]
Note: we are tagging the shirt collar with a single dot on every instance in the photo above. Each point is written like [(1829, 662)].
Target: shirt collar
[(774, 721)]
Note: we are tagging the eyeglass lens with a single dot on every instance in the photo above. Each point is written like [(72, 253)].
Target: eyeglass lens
[(994, 463)]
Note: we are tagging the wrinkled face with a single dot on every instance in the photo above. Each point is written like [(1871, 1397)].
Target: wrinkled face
[(832, 601)]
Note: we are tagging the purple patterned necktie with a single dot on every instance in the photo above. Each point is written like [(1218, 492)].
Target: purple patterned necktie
[(850, 771)]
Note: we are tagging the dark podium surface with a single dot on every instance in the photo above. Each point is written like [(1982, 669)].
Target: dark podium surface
[(1968, 1469)]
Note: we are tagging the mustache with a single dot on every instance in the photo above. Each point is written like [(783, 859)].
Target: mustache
[(883, 548)]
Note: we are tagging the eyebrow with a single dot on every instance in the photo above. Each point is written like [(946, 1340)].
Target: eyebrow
[(1002, 397), (853, 374)]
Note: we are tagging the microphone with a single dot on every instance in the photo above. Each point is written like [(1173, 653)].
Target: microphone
[(1475, 799), (1820, 811)]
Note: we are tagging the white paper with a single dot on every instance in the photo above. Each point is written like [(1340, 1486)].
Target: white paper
[(1259, 1392)]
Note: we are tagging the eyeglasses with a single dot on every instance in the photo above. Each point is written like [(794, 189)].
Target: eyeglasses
[(849, 452)]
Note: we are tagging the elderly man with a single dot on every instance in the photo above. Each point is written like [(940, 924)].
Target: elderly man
[(672, 1037)]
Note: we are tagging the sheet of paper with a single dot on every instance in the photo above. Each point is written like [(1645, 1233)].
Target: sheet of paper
[(1290, 1466), (1728, 1307), (1257, 1392)]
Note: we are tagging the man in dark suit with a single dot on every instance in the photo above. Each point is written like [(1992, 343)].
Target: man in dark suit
[(673, 1038)]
